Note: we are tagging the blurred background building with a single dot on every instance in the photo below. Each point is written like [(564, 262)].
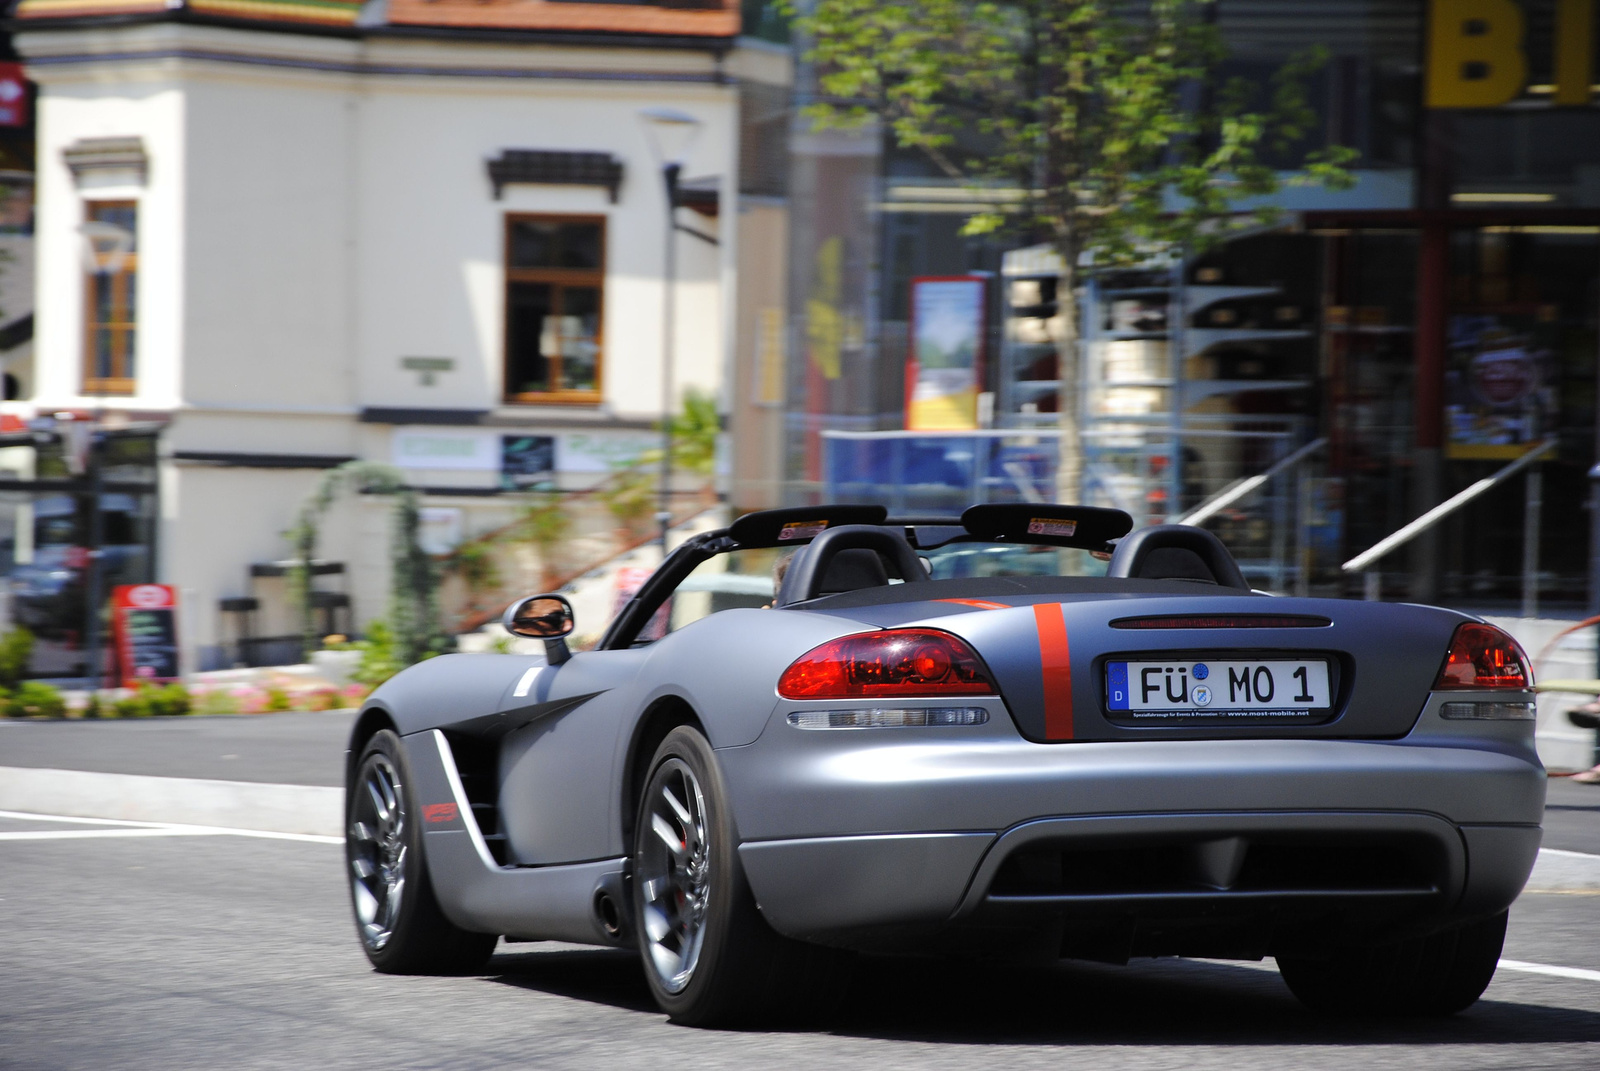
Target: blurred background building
[(273, 237), (278, 235)]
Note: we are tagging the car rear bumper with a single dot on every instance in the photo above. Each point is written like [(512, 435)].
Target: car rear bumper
[(864, 838)]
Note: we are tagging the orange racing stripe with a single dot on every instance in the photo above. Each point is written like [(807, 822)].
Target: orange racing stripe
[(1056, 662), (982, 604)]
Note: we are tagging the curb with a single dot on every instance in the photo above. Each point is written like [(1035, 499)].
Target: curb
[(269, 808)]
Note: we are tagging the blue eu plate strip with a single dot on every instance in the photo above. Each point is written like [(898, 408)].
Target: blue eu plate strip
[(1117, 685)]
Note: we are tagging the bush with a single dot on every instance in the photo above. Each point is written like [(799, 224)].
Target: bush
[(16, 647), (380, 656), (33, 699), (278, 700), (148, 701), (214, 701)]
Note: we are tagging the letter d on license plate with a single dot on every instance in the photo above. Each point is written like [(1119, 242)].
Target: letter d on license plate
[(1221, 690)]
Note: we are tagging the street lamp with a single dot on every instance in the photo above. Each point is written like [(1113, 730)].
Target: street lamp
[(671, 134)]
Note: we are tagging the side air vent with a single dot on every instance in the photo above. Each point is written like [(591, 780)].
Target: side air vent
[(1223, 621), (477, 761)]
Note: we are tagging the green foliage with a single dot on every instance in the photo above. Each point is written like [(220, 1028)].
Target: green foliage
[(16, 647), (474, 563), (414, 585), (278, 700), (694, 434), (1094, 113), (380, 658), (94, 708), (630, 497), (34, 699), (154, 701), (546, 524), (413, 592), (216, 701)]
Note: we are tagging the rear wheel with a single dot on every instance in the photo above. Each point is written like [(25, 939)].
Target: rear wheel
[(709, 956), (1441, 974), (402, 929)]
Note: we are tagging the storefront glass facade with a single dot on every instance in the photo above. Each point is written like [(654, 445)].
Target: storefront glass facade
[(1431, 324), (54, 539)]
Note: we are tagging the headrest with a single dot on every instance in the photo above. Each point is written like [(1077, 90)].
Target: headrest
[(1176, 552), (852, 570)]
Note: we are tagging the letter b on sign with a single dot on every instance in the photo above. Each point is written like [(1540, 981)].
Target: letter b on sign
[(1475, 57)]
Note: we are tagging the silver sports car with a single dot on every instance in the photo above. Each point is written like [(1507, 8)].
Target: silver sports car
[(1019, 732)]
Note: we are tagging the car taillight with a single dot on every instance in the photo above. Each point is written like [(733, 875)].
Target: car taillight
[(1482, 656), (903, 662)]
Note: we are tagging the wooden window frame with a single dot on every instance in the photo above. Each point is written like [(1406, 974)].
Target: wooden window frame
[(124, 355), (559, 279)]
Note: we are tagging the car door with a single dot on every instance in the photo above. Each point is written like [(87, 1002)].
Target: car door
[(559, 800)]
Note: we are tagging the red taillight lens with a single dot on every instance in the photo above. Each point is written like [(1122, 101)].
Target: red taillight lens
[(1482, 656), (903, 662)]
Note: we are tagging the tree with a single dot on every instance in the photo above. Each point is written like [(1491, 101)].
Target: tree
[(1107, 118)]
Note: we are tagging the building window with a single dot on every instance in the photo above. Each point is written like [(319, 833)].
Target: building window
[(111, 296), (555, 278)]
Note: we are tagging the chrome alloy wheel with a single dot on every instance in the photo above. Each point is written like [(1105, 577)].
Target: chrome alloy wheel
[(377, 851), (674, 873)]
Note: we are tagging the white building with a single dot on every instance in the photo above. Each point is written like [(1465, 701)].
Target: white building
[(285, 235)]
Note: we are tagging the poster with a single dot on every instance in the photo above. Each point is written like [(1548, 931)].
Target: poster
[(630, 578), (526, 461), (1500, 395), (145, 631), (945, 371)]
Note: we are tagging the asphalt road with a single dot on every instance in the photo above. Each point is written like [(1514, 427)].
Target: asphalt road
[(137, 951), (286, 749)]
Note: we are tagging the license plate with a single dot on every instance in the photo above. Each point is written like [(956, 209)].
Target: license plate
[(1220, 690)]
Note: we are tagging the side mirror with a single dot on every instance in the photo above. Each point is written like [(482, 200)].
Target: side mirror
[(542, 617)]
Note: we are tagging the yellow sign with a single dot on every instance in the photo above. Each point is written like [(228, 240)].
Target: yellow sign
[(1476, 57), (769, 356)]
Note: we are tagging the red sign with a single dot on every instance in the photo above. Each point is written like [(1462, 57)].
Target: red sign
[(144, 626), (13, 95)]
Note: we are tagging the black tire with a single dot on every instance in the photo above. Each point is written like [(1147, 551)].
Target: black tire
[(709, 957), (402, 929), (1437, 975)]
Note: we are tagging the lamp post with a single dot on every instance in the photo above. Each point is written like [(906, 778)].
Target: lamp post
[(671, 134)]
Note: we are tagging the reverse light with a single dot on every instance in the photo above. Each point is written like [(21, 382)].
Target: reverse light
[(882, 718), (1482, 656), (1487, 711), (892, 663)]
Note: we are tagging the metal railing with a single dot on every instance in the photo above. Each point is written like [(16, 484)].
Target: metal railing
[(1248, 485), (1371, 581)]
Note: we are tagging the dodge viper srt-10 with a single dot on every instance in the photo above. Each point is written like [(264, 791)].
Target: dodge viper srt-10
[(1018, 732)]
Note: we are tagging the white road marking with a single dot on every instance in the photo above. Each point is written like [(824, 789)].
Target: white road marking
[(1568, 854), (94, 834), (1579, 973), (147, 829), (31, 817)]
